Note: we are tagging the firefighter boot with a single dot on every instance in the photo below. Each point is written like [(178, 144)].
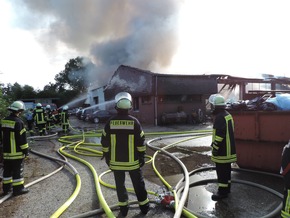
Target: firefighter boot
[(219, 196), (22, 191), (6, 189), (144, 208), (124, 210)]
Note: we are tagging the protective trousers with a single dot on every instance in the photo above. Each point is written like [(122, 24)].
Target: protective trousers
[(13, 175), (30, 124), (285, 212), (223, 171), (41, 128), (138, 184), (65, 127), (49, 124)]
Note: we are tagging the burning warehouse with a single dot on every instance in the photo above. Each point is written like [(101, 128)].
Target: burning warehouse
[(155, 95), (174, 98)]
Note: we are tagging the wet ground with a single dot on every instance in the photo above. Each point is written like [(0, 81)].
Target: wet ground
[(253, 194)]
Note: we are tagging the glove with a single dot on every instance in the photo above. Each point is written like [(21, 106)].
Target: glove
[(26, 153), (26, 156), (141, 161)]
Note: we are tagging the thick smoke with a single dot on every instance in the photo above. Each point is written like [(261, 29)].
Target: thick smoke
[(139, 33)]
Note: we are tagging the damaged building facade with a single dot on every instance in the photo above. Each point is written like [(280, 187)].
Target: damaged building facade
[(159, 97), (163, 98)]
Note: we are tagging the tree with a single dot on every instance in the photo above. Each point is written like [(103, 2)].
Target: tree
[(28, 92), (6, 92), (71, 82), (67, 96), (74, 76), (49, 91), (3, 106), (16, 91)]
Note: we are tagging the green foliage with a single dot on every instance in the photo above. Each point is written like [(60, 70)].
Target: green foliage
[(69, 83), (3, 106), (67, 96), (75, 75), (27, 92)]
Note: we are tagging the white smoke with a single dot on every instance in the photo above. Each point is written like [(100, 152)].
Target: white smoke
[(139, 33)]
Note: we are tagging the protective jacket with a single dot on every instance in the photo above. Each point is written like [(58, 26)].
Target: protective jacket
[(223, 141), (123, 143), (39, 116), (48, 115), (13, 138)]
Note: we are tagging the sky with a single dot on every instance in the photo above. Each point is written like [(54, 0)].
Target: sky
[(240, 38)]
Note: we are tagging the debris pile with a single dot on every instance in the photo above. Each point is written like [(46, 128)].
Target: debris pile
[(280, 102)]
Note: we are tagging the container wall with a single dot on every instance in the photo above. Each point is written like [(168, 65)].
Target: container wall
[(263, 156), (260, 138), (262, 126)]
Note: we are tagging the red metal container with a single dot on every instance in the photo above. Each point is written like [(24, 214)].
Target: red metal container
[(260, 138)]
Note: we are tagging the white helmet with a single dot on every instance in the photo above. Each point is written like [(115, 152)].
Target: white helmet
[(123, 101), (65, 108), (38, 105), (17, 106), (217, 100), (48, 106)]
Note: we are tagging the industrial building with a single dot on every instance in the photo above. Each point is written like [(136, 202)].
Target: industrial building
[(174, 98), (157, 94)]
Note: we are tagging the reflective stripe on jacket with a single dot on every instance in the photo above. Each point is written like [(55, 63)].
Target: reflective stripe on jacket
[(123, 142), (223, 140), (13, 136), (39, 116), (48, 115), (64, 117)]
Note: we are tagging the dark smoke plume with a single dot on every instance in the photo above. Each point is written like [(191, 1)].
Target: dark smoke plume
[(139, 33)]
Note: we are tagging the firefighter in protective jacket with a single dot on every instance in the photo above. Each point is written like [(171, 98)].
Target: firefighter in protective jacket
[(285, 171), (39, 118), (15, 149), (64, 116), (223, 145), (48, 117), (124, 150)]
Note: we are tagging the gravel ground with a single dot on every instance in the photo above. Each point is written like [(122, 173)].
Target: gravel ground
[(48, 195)]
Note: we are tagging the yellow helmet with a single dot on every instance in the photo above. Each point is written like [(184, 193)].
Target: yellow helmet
[(123, 101)]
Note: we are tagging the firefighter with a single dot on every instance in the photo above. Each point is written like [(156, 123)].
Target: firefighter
[(285, 171), (15, 149), (223, 145), (49, 117), (39, 118), (56, 117), (64, 117), (124, 150)]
